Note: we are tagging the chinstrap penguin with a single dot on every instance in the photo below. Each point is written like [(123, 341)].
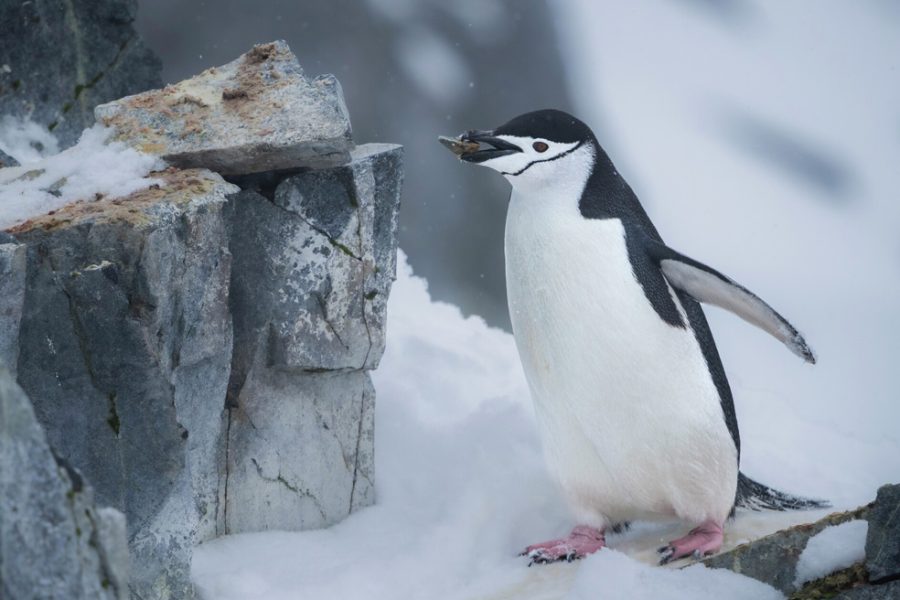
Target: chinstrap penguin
[(635, 413)]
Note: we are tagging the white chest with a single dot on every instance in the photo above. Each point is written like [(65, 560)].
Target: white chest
[(628, 413)]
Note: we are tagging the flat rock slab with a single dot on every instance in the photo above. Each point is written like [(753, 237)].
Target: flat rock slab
[(257, 113), (883, 540)]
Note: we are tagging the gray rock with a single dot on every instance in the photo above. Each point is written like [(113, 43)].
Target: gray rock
[(773, 559), (69, 56), (54, 543), (888, 591), (314, 259), (257, 113), (12, 296), (7, 161), (319, 468), (126, 338), (313, 265), (883, 539)]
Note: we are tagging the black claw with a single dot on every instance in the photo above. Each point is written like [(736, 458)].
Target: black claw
[(662, 549), (668, 555)]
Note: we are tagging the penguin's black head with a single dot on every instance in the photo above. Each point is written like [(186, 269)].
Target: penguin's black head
[(535, 148)]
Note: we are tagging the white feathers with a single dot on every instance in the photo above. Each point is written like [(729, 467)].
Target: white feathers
[(629, 417), (531, 169)]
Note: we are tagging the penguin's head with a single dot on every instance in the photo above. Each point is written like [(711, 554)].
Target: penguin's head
[(537, 149)]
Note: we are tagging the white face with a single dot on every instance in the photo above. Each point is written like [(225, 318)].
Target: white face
[(543, 163)]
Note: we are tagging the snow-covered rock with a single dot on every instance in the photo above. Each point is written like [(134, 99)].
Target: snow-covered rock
[(125, 349), (834, 548), (200, 348), (54, 542), (774, 559)]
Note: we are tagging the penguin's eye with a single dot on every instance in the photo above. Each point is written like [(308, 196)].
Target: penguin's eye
[(540, 146)]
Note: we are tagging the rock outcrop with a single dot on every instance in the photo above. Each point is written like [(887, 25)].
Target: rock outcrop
[(774, 559), (200, 349), (883, 539), (69, 56), (48, 520), (125, 348), (314, 258)]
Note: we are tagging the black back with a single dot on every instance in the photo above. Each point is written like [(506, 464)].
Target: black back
[(607, 195)]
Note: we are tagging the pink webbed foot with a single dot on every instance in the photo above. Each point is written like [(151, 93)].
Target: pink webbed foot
[(702, 540), (582, 541)]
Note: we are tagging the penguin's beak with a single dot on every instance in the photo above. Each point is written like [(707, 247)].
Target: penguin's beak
[(495, 146)]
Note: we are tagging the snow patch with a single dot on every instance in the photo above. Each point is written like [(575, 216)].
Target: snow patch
[(91, 167), (25, 140), (608, 570), (832, 549)]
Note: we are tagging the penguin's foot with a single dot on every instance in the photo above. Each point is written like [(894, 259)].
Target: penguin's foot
[(701, 541), (582, 541)]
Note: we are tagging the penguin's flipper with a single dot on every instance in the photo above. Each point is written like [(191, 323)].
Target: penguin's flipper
[(707, 285)]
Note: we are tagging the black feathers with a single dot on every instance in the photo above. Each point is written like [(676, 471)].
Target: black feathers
[(549, 124)]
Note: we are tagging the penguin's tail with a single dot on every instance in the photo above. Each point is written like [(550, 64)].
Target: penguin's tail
[(753, 495)]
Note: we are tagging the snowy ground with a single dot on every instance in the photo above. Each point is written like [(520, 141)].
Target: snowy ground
[(462, 489), (764, 140)]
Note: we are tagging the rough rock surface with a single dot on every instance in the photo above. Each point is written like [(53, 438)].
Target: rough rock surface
[(210, 342), (126, 338), (883, 540), (773, 559), (54, 543), (12, 297), (69, 56), (889, 591), (257, 113), (7, 161), (314, 257), (323, 476)]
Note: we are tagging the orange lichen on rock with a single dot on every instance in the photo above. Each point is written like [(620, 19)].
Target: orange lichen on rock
[(175, 187)]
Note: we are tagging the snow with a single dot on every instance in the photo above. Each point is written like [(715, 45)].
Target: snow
[(25, 140), (461, 489), (833, 548), (93, 166), (609, 570)]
